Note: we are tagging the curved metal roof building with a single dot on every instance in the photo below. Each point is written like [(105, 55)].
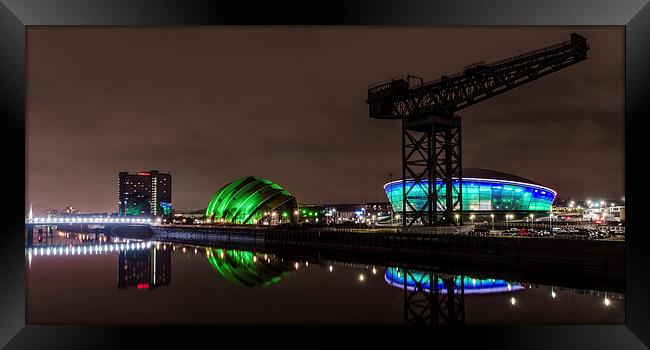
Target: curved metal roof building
[(245, 200), (483, 190)]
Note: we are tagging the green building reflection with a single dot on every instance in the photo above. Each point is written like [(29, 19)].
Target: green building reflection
[(246, 268)]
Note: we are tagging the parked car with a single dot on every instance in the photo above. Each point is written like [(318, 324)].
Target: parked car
[(529, 232), (481, 232), (513, 231)]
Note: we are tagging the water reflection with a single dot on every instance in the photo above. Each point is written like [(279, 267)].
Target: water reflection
[(247, 269), (147, 265), (396, 277), (144, 269)]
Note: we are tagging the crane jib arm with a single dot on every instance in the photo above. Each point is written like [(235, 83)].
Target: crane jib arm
[(398, 99)]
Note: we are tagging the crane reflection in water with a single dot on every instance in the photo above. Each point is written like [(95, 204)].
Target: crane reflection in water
[(432, 298)]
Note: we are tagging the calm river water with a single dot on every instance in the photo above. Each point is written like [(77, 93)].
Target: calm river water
[(71, 281)]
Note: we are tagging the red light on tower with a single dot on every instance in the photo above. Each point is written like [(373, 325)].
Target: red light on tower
[(143, 285), (144, 174)]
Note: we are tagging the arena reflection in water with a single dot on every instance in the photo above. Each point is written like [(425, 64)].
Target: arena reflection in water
[(396, 277)]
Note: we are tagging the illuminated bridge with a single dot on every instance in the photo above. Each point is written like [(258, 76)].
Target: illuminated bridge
[(88, 220), (108, 226)]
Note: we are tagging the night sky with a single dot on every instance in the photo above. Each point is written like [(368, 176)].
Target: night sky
[(211, 104)]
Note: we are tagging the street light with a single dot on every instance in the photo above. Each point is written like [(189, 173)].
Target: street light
[(492, 216), (531, 218), (471, 217), (457, 217)]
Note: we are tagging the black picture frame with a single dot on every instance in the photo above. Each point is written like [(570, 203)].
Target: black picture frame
[(16, 15)]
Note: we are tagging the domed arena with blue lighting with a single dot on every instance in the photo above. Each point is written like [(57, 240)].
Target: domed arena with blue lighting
[(483, 191)]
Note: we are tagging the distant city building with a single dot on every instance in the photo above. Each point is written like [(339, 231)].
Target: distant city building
[(52, 212), (371, 213), (597, 211), (145, 193), (71, 210)]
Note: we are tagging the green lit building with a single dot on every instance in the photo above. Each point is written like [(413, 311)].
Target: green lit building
[(252, 200)]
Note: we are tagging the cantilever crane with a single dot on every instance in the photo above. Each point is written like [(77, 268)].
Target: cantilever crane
[(431, 130)]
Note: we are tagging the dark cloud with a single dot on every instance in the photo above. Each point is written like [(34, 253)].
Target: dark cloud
[(211, 104)]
